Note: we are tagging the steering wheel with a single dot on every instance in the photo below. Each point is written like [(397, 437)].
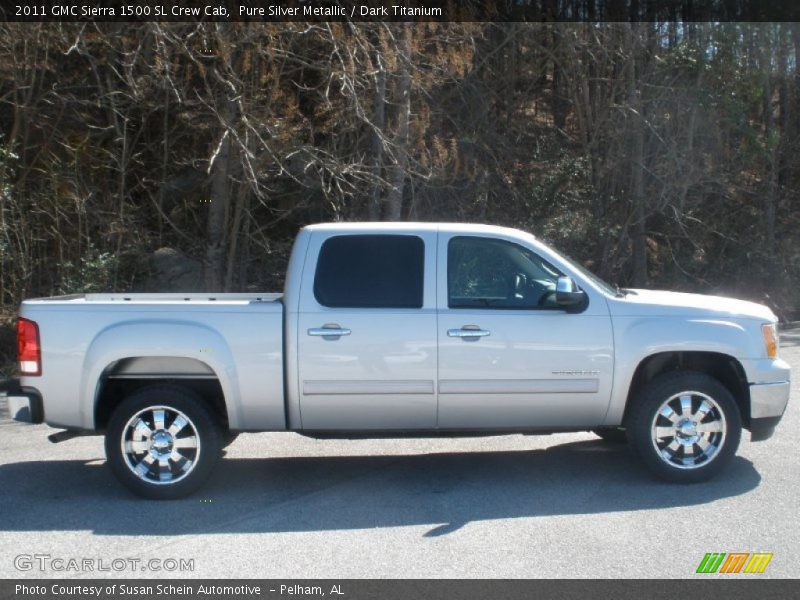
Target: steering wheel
[(547, 294), (547, 299), (530, 292)]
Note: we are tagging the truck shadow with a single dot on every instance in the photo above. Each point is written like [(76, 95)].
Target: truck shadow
[(444, 491)]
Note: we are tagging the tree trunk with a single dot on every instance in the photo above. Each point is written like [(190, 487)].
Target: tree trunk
[(772, 151), (559, 83), (242, 196), (379, 124), (219, 200), (394, 200), (636, 124)]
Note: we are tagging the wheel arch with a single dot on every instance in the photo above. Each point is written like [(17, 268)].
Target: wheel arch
[(118, 382), (724, 368), (132, 355)]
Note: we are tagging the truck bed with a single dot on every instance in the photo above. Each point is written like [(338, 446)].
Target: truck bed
[(88, 340)]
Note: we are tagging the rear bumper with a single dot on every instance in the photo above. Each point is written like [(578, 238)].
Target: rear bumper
[(767, 404), (24, 404)]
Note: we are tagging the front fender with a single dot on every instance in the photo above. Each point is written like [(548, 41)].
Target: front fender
[(637, 338), (151, 338)]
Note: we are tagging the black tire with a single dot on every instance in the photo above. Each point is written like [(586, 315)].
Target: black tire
[(228, 437), (184, 461), (612, 435), (701, 443)]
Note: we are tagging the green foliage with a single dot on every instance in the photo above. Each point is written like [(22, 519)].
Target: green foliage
[(93, 272)]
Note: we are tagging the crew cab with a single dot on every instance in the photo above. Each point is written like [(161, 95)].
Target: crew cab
[(402, 329)]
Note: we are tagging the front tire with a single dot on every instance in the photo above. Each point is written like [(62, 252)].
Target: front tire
[(686, 426), (162, 442)]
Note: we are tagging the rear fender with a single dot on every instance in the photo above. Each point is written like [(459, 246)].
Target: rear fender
[(163, 338)]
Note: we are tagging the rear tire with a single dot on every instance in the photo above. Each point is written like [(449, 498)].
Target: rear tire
[(685, 426), (162, 442)]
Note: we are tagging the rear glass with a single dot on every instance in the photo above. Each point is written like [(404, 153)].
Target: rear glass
[(370, 271)]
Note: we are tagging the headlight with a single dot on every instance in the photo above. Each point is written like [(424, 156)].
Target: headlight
[(770, 332)]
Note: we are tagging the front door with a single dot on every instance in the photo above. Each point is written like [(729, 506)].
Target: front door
[(509, 356), (367, 333)]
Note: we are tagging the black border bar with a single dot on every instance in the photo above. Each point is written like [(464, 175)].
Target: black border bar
[(703, 586), (266, 11)]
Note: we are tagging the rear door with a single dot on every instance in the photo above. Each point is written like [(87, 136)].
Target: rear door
[(509, 356), (367, 332)]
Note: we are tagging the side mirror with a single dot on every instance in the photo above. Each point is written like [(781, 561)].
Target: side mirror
[(567, 293)]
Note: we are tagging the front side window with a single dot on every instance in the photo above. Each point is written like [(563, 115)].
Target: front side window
[(493, 273), (370, 271)]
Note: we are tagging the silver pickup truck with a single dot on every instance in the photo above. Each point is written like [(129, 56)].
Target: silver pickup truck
[(402, 330)]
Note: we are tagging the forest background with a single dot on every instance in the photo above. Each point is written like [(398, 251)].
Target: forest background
[(166, 156)]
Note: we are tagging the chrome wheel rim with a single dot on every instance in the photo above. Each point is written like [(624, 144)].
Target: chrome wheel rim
[(688, 430), (160, 445)]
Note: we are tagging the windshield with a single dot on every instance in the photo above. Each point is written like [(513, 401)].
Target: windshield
[(605, 286)]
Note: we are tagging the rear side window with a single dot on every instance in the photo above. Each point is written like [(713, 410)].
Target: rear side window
[(370, 271)]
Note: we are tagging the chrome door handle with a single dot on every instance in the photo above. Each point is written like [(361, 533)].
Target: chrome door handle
[(468, 332), (329, 331)]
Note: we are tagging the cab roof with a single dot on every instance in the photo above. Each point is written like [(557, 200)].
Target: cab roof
[(404, 226)]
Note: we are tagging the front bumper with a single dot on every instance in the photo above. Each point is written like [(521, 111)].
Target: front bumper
[(767, 404), (24, 404)]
